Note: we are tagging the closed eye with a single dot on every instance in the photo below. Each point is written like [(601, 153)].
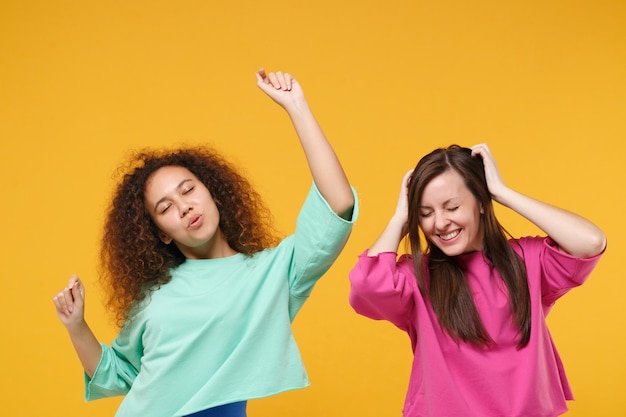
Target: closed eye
[(453, 208), (164, 209), (188, 190)]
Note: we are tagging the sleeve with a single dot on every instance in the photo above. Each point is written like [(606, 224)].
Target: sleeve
[(319, 238), (559, 271), (118, 367), (383, 289)]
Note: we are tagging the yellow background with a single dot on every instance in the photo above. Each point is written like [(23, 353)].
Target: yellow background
[(82, 82)]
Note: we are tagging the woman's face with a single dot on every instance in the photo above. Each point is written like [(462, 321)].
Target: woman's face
[(184, 211), (450, 215)]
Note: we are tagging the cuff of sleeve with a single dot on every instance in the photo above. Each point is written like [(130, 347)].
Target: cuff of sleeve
[(355, 211), (581, 267), (104, 382), (89, 396)]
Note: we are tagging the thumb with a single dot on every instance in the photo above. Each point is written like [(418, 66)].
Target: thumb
[(77, 288), (267, 88)]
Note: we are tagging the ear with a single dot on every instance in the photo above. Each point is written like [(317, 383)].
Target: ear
[(482, 211), (165, 238)]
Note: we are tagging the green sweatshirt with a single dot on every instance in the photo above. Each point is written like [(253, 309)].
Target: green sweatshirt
[(220, 330)]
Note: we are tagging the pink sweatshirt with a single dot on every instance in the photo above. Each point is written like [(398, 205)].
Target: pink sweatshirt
[(461, 380)]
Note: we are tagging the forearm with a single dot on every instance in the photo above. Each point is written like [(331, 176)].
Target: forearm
[(87, 347), (324, 165), (574, 234), (389, 240)]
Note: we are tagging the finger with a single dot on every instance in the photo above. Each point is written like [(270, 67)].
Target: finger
[(284, 80), (76, 287), (273, 80), (404, 187), (61, 303), (68, 300), (280, 77), (477, 151), (480, 149), (73, 281), (264, 85), (261, 77), (57, 300), (289, 80), (78, 291), (405, 178)]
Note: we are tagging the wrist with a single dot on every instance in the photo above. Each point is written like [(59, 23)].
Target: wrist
[(78, 328), (297, 107), (398, 221)]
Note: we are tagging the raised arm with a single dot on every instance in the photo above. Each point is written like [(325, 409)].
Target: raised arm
[(325, 167), (389, 240), (574, 234), (70, 304)]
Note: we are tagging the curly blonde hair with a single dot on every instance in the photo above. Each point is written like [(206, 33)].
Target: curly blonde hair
[(134, 261)]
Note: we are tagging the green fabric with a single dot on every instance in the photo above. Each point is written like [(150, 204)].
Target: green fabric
[(220, 330)]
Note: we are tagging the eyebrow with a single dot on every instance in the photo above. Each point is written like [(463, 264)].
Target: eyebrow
[(178, 187)]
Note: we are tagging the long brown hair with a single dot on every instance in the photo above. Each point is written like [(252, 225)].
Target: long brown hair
[(448, 289), (134, 261)]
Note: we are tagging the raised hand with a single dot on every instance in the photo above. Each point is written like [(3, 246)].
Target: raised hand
[(573, 233), (402, 207), (281, 87), (325, 167), (495, 184), (70, 306), (70, 303), (397, 227)]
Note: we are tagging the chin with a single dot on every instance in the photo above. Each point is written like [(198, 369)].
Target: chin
[(454, 251)]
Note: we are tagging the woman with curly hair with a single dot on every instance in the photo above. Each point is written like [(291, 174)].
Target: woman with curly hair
[(203, 291), (474, 302)]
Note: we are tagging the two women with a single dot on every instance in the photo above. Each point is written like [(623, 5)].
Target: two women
[(205, 298)]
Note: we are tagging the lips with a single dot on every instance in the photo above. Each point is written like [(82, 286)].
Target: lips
[(195, 221)]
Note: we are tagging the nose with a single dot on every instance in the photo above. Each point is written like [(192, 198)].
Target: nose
[(441, 221), (184, 209)]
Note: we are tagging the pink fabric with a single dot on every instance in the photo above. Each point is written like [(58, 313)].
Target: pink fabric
[(450, 380)]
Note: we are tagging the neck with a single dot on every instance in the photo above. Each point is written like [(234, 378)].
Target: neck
[(217, 247)]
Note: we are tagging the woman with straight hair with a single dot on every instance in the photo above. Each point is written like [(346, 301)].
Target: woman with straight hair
[(472, 299)]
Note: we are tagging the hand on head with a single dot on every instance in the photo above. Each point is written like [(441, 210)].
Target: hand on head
[(402, 207), (492, 174)]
